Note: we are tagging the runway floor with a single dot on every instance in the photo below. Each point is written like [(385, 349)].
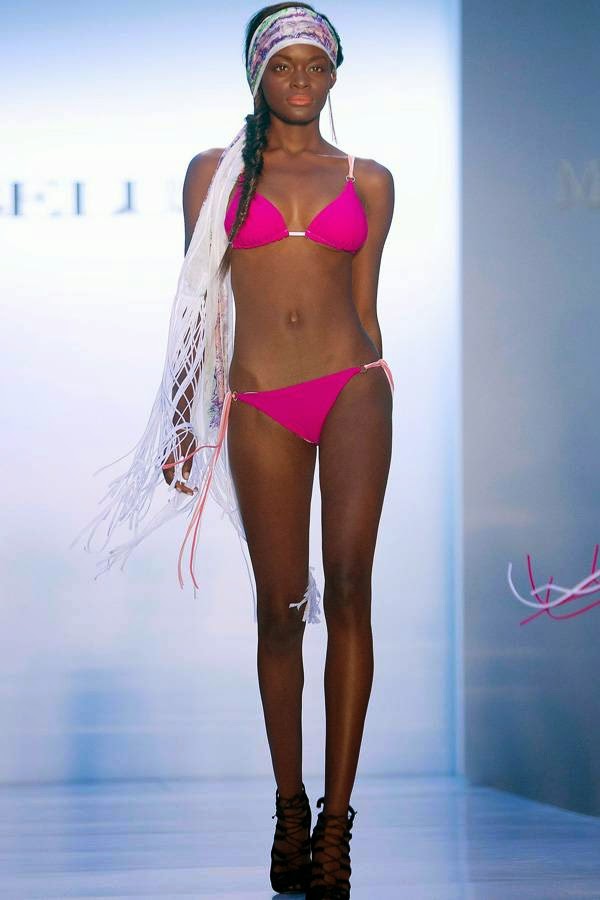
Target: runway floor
[(414, 838)]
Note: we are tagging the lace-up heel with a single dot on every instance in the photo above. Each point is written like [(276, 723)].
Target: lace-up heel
[(330, 845), (290, 854)]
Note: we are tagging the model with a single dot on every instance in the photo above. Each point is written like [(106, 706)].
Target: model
[(284, 232)]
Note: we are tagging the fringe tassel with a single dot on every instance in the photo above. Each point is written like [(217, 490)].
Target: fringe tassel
[(311, 598), (189, 398), (194, 525)]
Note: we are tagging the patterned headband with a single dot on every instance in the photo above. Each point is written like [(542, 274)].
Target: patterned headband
[(292, 25)]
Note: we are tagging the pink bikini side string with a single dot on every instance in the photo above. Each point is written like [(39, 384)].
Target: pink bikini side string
[(385, 367), (203, 493), (195, 521)]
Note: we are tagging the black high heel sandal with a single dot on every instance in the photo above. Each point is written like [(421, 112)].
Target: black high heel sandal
[(330, 839), (290, 870)]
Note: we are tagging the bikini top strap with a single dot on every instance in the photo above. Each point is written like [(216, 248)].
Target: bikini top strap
[(350, 175)]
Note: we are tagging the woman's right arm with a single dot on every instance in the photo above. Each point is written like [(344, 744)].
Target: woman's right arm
[(195, 187)]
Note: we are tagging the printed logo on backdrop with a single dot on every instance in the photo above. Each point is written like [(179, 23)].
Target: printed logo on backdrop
[(61, 197), (544, 606), (579, 185)]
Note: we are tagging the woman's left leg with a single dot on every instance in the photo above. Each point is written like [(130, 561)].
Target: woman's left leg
[(354, 460)]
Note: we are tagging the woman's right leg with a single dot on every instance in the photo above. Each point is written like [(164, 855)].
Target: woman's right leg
[(273, 473)]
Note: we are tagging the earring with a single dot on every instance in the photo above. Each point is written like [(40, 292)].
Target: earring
[(331, 125)]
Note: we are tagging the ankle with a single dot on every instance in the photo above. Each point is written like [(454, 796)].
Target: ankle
[(335, 809), (288, 791)]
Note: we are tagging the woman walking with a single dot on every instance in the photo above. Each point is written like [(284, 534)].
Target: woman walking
[(293, 230)]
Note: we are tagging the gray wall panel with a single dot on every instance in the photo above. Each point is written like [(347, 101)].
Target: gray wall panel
[(531, 321)]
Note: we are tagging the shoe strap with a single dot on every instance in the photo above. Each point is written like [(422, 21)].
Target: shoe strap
[(334, 845), (348, 817), (293, 818)]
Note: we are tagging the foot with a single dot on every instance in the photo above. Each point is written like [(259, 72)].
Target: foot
[(330, 845), (290, 854)]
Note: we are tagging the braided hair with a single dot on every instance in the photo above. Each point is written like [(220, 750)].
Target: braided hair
[(257, 126)]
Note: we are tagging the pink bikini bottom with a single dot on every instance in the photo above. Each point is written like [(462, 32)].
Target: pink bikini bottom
[(301, 408), (304, 406)]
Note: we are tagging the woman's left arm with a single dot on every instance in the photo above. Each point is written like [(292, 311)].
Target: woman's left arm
[(377, 192)]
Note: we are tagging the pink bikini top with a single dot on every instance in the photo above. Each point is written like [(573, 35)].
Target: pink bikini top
[(341, 225)]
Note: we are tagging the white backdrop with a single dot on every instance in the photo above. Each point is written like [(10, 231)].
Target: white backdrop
[(129, 676)]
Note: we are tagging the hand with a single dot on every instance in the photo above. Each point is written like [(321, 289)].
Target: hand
[(179, 473)]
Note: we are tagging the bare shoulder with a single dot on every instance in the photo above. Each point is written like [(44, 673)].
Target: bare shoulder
[(201, 167), (375, 179), (375, 185), (198, 177)]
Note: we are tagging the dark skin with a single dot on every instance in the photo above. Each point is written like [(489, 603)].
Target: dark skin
[(305, 310)]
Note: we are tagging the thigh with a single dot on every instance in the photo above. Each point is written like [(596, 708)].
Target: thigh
[(273, 472), (354, 461)]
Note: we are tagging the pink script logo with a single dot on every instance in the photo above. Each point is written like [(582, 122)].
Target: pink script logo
[(589, 585)]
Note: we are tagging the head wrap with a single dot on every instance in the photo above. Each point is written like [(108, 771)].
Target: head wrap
[(193, 392), (292, 25)]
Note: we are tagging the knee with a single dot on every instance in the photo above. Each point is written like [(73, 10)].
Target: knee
[(347, 595), (280, 627)]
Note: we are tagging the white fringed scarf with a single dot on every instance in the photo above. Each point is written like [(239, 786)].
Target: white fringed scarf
[(193, 392), (199, 350), (198, 355)]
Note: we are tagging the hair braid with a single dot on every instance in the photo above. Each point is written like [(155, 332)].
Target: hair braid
[(257, 126)]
